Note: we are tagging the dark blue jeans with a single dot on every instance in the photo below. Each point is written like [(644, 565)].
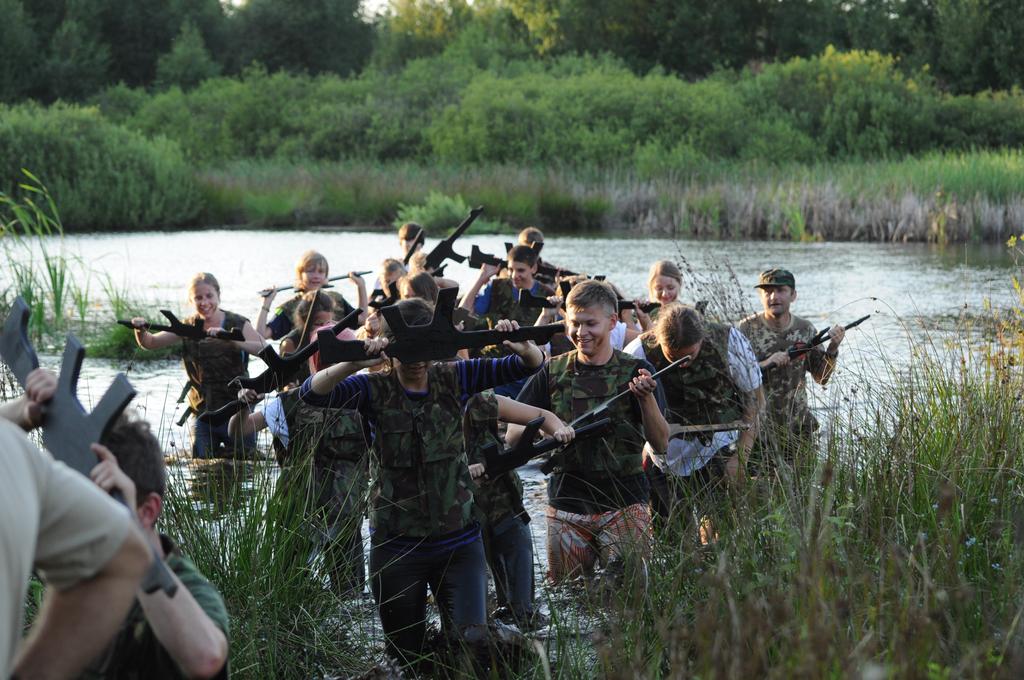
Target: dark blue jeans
[(510, 557), (399, 581), (207, 441)]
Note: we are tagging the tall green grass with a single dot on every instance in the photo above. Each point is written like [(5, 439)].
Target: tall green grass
[(949, 197)]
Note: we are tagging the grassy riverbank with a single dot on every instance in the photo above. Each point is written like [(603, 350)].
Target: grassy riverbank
[(941, 197), (897, 553)]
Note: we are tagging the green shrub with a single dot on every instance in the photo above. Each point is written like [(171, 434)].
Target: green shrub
[(439, 214), (102, 175)]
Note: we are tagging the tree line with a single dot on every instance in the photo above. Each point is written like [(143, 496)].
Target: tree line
[(73, 49)]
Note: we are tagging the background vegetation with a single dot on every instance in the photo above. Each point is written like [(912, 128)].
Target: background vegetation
[(182, 109)]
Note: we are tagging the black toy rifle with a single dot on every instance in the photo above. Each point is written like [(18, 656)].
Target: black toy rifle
[(443, 250), (801, 348), (498, 462), (68, 431), (266, 291), (380, 299), (281, 369), (193, 332), (478, 258), (421, 238), (438, 340)]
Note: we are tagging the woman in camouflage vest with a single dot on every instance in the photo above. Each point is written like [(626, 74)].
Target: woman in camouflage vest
[(424, 532), (209, 363)]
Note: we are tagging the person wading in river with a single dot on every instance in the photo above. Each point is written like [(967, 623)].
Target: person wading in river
[(210, 364), (424, 532), (598, 493), (720, 384), (789, 427), (311, 272)]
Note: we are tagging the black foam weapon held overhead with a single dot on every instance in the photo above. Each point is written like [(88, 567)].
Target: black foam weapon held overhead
[(193, 331), (443, 250), (438, 340), (266, 291), (68, 431), (803, 348), (379, 298)]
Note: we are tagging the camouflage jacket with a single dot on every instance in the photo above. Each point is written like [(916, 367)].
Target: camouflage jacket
[(420, 483), (505, 303), (329, 434), (703, 392), (211, 364), (574, 392), (499, 498), (785, 389)]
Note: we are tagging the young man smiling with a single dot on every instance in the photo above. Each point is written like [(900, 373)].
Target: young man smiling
[(598, 493), (789, 424)]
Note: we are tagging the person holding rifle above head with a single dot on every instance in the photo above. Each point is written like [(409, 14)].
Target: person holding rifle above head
[(789, 427), (598, 492), (421, 498), (210, 363), (718, 387), (87, 551), (311, 272)]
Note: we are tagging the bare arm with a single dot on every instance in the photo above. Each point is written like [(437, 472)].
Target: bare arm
[(261, 321), (147, 340), (655, 426), (324, 381), (512, 411), (185, 631), (486, 273), (75, 624)]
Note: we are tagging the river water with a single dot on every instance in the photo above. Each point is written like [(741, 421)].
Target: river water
[(911, 291)]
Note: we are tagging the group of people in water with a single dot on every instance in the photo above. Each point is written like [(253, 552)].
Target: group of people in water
[(703, 404)]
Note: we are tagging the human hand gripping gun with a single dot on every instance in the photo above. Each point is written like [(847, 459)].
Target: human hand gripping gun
[(280, 371), (443, 250), (194, 331), (801, 348), (289, 286), (438, 340), (68, 431)]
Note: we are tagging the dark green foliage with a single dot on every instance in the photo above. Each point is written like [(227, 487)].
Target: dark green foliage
[(20, 45), (188, 63), (102, 175), (315, 36)]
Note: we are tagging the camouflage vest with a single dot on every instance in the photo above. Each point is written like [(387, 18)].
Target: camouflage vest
[(505, 304), (573, 394), (420, 475), (211, 364), (703, 392), (498, 498), (330, 434)]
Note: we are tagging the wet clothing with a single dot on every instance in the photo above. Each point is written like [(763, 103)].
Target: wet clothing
[(421, 498), (503, 518), (211, 364), (452, 567), (577, 541), (214, 441), (283, 322), (338, 442), (594, 474), (136, 652), (787, 415), (709, 390)]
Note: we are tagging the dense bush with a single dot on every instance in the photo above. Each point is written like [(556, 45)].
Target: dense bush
[(102, 175)]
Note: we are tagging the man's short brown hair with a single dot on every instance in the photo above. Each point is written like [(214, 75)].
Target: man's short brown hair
[(139, 455), (409, 231), (524, 254), (679, 326), (592, 293)]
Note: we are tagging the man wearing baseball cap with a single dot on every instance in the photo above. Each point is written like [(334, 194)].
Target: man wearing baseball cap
[(789, 425)]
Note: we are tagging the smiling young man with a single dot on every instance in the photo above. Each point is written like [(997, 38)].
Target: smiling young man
[(721, 383), (598, 493), (789, 425)]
